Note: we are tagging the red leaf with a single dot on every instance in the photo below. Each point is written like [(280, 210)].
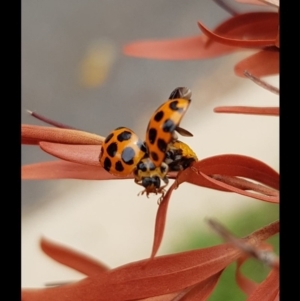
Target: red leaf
[(159, 276), (176, 49), (161, 220), (262, 197), (191, 175), (231, 165), (277, 41), (83, 154), (68, 170), (65, 170), (245, 284), (274, 3), (72, 259), (142, 279), (254, 2), (250, 30), (167, 297), (263, 63), (267, 111), (33, 134), (268, 289), (201, 291)]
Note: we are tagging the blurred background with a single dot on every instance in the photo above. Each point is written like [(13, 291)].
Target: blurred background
[(73, 71)]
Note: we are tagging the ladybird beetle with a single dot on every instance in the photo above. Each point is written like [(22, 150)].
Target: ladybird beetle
[(123, 152), (161, 127)]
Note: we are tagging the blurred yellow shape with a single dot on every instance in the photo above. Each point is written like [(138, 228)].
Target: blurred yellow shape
[(96, 63)]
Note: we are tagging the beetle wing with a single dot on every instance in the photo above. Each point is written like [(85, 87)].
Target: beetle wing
[(183, 132), (162, 125), (121, 151)]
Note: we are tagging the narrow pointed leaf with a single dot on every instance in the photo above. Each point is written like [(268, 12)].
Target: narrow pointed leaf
[(250, 26), (161, 220), (72, 259), (162, 275), (268, 289), (33, 134), (245, 284), (274, 3), (277, 40), (65, 170), (83, 154), (263, 63), (159, 276), (201, 291), (262, 197), (257, 29), (176, 49), (191, 175), (254, 2), (267, 111), (68, 170), (166, 297), (231, 165)]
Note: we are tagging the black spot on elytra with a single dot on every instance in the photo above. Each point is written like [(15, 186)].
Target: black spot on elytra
[(108, 137), (169, 126), (126, 135), (158, 116), (107, 164), (141, 146), (154, 156), (173, 105), (152, 133), (141, 166), (162, 145), (112, 149), (127, 155), (119, 166)]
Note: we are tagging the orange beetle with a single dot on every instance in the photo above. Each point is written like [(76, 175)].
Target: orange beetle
[(123, 152)]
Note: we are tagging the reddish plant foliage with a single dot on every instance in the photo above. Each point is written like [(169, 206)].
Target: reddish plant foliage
[(190, 275), (255, 30), (78, 152)]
